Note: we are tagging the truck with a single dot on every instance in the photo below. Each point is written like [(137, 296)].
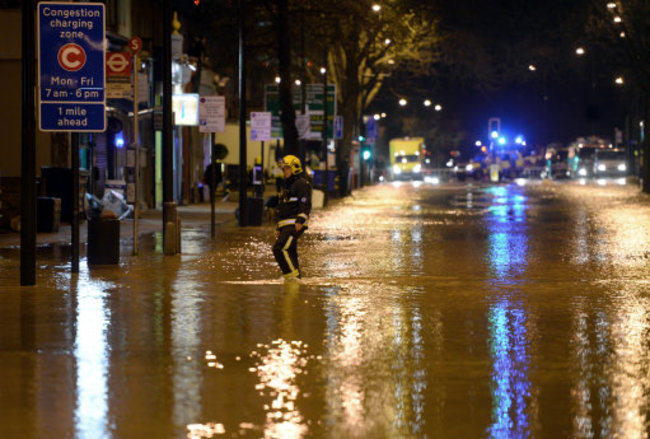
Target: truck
[(406, 157)]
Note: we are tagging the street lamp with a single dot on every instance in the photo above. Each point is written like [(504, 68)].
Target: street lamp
[(580, 51), (376, 8), (619, 80), (438, 107), (532, 68), (427, 102), (402, 102)]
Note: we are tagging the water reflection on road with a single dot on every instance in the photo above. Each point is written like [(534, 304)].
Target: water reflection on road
[(460, 311)]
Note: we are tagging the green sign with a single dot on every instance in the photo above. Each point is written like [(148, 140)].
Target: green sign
[(313, 102)]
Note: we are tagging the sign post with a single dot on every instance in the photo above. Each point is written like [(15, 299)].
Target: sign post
[(71, 79), (135, 44), (212, 119)]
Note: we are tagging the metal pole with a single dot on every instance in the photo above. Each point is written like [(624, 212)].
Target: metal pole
[(28, 153), (213, 185), (170, 237), (325, 121), (75, 201), (136, 143), (243, 214)]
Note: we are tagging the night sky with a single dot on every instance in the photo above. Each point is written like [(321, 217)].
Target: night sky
[(565, 97)]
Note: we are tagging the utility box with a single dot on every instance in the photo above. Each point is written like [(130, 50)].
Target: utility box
[(255, 208), (103, 241), (48, 214)]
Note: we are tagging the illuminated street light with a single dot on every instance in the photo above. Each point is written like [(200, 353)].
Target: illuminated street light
[(478, 143), (383, 115), (402, 102), (611, 5), (277, 79), (580, 51), (619, 80), (376, 8), (617, 19), (438, 107), (622, 34), (298, 82), (532, 68), (387, 41), (427, 103), (323, 70), (376, 116)]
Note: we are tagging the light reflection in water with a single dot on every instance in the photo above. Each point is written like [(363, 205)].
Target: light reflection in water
[(186, 330), (611, 396), (507, 319), (91, 353), (278, 370)]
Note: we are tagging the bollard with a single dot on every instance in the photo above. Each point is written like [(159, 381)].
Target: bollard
[(170, 228), (178, 235), (170, 244)]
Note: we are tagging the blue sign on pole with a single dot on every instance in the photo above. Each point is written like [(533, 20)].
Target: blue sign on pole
[(71, 74), (338, 127)]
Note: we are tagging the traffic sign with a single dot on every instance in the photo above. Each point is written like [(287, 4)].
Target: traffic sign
[(118, 64), (71, 78), (314, 103), (212, 114), (135, 44), (260, 125)]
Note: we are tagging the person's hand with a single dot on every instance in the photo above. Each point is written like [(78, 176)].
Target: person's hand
[(298, 227)]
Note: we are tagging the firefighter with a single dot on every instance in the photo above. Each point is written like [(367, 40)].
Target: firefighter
[(293, 216)]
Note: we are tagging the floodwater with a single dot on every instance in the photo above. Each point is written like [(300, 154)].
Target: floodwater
[(460, 311)]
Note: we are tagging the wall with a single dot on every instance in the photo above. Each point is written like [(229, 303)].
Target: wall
[(230, 138), (11, 99)]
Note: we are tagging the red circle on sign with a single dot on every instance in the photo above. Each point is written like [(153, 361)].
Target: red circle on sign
[(71, 57), (135, 44)]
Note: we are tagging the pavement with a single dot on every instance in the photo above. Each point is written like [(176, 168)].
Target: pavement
[(150, 221)]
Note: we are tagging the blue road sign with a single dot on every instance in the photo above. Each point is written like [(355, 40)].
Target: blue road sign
[(71, 75), (338, 127)]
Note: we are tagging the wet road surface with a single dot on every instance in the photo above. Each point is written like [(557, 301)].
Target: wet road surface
[(459, 311)]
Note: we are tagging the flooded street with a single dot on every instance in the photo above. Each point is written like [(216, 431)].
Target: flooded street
[(459, 311)]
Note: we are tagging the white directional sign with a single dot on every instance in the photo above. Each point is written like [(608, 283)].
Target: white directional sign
[(212, 114), (71, 79), (261, 125)]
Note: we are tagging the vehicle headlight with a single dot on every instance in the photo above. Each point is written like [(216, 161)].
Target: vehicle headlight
[(602, 167), (622, 167), (417, 168), (397, 169), (582, 172), (469, 168)]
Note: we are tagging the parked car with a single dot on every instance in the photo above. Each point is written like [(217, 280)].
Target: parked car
[(610, 162)]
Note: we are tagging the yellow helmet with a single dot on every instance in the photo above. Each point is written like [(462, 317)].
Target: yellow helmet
[(293, 162)]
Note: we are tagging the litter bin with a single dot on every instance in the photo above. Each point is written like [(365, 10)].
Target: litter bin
[(103, 241), (255, 207), (48, 214)]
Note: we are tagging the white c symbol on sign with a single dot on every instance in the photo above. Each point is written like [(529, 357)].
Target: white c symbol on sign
[(72, 57)]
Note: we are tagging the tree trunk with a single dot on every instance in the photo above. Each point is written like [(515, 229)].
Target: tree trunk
[(287, 111)]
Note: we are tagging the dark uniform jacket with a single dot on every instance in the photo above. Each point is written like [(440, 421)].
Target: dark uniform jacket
[(295, 201)]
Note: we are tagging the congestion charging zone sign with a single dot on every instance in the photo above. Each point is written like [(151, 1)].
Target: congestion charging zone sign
[(71, 74)]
